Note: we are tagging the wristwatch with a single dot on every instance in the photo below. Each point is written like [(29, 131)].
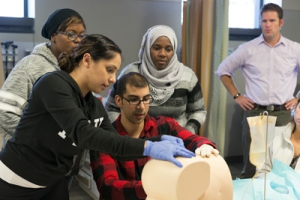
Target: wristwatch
[(237, 95)]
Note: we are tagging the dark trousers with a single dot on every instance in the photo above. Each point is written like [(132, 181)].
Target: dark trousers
[(283, 117), (69, 180), (57, 191)]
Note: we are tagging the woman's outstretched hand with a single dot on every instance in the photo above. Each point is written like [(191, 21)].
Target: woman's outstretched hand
[(166, 150), (172, 139)]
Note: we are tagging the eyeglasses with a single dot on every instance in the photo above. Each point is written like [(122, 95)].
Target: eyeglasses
[(136, 102), (72, 36)]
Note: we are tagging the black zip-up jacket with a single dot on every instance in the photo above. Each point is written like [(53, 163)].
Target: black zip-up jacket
[(56, 126)]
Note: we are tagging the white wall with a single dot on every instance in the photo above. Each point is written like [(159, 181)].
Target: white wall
[(124, 21), (291, 30)]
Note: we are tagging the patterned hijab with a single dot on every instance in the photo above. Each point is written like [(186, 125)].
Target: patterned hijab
[(162, 82)]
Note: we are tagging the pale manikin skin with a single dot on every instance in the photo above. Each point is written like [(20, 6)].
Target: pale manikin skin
[(198, 179)]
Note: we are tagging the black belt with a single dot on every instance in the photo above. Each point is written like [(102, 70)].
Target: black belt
[(270, 108)]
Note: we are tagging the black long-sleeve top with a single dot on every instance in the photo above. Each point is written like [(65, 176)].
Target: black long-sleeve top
[(56, 126)]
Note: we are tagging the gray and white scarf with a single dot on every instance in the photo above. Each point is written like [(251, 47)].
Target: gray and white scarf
[(162, 82)]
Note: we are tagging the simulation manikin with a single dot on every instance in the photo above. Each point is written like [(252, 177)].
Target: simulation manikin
[(198, 179)]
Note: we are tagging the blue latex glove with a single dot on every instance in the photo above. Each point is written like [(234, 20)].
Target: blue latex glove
[(172, 139), (165, 150)]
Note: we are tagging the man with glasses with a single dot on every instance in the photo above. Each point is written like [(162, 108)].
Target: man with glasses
[(118, 179)]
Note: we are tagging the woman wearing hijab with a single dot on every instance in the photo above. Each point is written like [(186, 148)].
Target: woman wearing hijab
[(175, 88), (63, 118), (64, 28)]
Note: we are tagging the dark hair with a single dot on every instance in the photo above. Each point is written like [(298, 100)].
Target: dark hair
[(272, 7), (133, 79), (98, 46)]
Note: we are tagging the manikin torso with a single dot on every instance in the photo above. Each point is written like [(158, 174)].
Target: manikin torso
[(198, 179)]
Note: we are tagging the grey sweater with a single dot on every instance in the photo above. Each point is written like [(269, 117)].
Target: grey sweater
[(186, 105), (17, 87)]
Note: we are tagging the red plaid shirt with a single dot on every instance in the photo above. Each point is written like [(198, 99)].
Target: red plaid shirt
[(120, 180)]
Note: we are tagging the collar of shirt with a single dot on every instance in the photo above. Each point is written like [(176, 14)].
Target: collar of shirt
[(261, 40), (148, 126)]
